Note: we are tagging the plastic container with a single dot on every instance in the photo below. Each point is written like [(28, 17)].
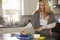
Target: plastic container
[(24, 37), (41, 38), (36, 35)]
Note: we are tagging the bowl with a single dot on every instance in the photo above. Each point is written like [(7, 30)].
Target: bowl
[(41, 38)]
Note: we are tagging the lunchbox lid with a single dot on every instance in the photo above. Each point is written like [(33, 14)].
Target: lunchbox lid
[(28, 36)]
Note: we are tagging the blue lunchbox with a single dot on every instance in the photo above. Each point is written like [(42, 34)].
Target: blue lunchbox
[(24, 37)]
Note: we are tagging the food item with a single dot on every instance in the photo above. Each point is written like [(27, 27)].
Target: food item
[(41, 38), (24, 32)]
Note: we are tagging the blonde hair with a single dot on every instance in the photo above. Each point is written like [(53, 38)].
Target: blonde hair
[(47, 8)]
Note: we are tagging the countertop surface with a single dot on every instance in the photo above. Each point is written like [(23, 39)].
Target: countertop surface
[(11, 26), (47, 38)]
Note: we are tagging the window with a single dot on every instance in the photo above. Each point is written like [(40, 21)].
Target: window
[(11, 4), (12, 10)]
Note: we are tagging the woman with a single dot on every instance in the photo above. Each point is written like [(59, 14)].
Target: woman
[(43, 19)]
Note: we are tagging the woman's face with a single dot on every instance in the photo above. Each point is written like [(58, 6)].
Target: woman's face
[(41, 6)]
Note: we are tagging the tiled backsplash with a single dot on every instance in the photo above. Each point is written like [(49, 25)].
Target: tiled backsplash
[(25, 18)]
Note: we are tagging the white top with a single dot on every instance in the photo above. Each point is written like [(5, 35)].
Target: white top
[(44, 23)]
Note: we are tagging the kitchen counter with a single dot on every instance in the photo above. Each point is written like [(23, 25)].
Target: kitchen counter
[(48, 38), (11, 26), (5, 30)]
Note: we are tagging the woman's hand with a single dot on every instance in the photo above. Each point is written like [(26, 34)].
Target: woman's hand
[(39, 29), (24, 32)]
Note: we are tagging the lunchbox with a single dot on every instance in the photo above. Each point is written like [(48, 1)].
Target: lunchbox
[(24, 37)]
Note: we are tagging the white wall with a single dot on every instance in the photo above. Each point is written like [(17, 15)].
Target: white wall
[(30, 6), (1, 7)]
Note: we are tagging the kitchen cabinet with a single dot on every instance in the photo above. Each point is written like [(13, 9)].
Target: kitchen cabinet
[(58, 2), (0, 31), (57, 28)]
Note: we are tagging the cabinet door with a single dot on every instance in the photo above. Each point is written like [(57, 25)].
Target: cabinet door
[(0, 30), (57, 28)]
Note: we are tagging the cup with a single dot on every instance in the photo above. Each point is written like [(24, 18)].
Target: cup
[(36, 35)]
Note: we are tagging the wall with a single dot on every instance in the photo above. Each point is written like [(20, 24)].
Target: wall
[(1, 7), (30, 6)]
